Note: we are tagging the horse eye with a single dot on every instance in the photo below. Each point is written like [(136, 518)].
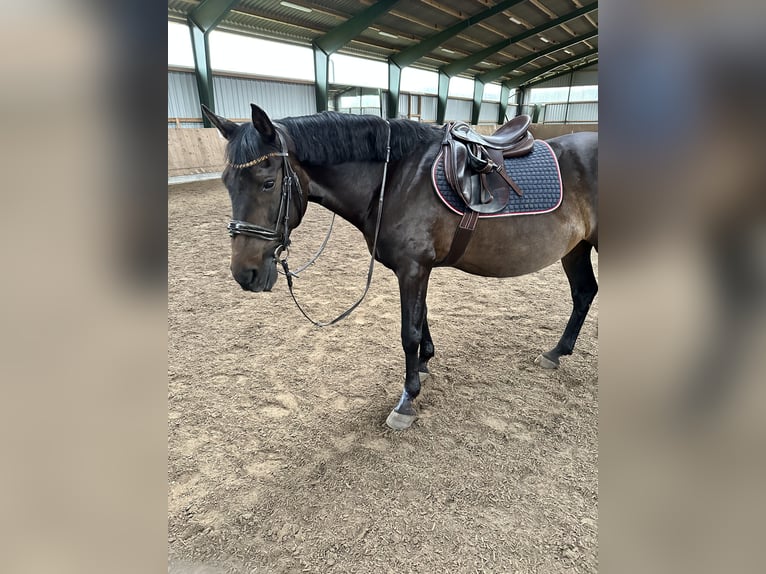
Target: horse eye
[(268, 184)]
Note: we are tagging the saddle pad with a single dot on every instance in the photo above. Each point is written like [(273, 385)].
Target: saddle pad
[(536, 173)]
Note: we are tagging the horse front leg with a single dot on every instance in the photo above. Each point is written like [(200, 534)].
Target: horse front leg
[(426, 348), (413, 285)]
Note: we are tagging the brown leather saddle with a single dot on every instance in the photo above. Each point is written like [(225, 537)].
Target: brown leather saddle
[(474, 166)]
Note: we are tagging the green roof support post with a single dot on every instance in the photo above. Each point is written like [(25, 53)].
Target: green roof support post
[(536, 113), (505, 93), (321, 78), (202, 20), (441, 102), (394, 83), (478, 95), (335, 39), (412, 54)]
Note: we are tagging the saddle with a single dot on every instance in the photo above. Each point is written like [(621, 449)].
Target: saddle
[(473, 163)]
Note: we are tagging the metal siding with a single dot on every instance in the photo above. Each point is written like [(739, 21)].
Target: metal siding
[(588, 77), (560, 82), (404, 105), (414, 105), (583, 112), (278, 99), (233, 97), (578, 112), (364, 111), (183, 101), (510, 112), (488, 113), (458, 110), (428, 108), (553, 113), (172, 125)]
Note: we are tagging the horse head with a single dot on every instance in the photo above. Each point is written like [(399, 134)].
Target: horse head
[(267, 198)]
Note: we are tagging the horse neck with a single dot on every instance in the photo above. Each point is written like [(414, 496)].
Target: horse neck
[(347, 189)]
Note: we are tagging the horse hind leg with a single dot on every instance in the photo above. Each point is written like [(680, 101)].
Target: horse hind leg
[(582, 281)]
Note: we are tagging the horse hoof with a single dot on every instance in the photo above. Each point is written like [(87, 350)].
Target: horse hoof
[(423, 376), (546, 363), (398, 421)]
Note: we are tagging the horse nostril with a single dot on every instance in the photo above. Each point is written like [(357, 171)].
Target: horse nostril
[(244, 277)]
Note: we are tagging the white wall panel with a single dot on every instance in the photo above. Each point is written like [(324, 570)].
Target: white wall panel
[(577, 112), (489, 112), (585, 77), (428, 108), (233, 97), (183, 101), (458, 110)]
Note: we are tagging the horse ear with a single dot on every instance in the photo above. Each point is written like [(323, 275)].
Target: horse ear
[(263, 124), (224, 126)]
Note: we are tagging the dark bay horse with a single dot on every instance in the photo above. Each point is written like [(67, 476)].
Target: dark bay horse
[(337, 160)]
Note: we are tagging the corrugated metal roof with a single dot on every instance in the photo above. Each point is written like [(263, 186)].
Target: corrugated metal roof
[(412, 22)]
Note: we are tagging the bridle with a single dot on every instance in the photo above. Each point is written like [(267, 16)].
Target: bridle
[(281, 230), (289, 177)]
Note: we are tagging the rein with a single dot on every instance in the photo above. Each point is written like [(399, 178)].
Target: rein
[(238, 227), (347, 312)]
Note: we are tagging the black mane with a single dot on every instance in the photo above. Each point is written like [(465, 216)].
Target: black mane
[(331, 138)]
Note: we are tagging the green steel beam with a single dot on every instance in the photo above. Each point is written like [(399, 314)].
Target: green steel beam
[(341, 35), (463, 64), (412, 54), (335, 39), (500, 71), (454, 68), (526, 79), (480, 81), (202, 20), (561, 73), (209, 13)]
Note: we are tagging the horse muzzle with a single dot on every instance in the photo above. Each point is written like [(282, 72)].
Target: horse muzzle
[(257, 280)]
